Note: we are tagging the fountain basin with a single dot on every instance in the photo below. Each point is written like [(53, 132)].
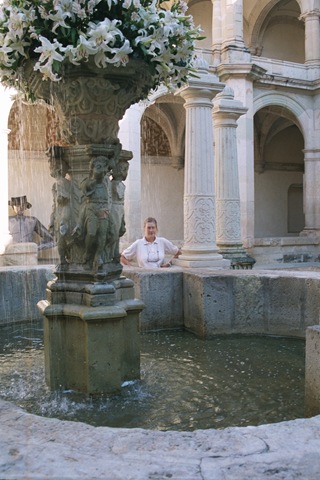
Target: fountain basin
[(206, 302), (38, 447), (186, 383), (210, 302)]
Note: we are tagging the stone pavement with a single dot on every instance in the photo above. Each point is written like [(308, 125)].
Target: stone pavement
[(37, 448)]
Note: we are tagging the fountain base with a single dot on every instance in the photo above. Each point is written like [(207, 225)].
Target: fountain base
[(91, 336)]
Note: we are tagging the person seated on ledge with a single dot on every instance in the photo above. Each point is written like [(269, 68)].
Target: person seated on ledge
[(22, 227), (150, 251)]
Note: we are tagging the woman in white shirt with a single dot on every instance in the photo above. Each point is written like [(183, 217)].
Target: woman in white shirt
[(150, 251)]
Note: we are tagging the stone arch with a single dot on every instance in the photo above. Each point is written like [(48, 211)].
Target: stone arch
[(261, 20), (280, 127), (155, 141), (291, 108), (168, 114)]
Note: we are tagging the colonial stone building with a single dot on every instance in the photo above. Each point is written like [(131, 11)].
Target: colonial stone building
[(229, 163)]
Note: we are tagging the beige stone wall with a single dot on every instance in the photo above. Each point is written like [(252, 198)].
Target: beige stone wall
[(284, 36), (162, 198), (271, 202), (203, 16)]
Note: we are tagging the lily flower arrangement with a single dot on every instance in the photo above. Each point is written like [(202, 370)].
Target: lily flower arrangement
[(51, 32)]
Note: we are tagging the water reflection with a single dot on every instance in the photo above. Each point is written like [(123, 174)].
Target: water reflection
[(187, 383)]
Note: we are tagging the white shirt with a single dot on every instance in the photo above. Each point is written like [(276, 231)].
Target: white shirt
[(150, 254)]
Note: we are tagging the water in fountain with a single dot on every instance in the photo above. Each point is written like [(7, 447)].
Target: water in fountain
[(187, 383)]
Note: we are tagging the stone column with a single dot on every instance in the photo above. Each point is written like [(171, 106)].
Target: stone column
[(240, 78), (233, 47), (312, 36), (130, 138), (6, 103), (216, 31), (199, 249), (311, 193), (226, 112)]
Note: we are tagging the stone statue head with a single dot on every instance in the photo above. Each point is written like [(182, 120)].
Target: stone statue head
[(120, 172), (19, 204)]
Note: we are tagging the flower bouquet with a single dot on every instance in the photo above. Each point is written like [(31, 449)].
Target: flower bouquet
[(52, 33)]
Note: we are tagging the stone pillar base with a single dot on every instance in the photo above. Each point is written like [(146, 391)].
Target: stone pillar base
[(312, 376), (202, 261), (92, 347), (238, 257), (310, 233)]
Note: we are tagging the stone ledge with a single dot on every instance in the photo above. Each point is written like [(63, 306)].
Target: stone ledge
[(250, 302), (206, 301), (42, 448), (21, 288), (20, 254)]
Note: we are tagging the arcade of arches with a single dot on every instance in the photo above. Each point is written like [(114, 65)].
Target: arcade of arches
[(242, 138)]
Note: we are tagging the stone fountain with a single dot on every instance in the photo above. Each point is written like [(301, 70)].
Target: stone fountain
[(90, 313), (91, 62)]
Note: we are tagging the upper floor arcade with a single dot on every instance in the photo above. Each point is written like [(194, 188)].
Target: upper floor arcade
[(277, 40)]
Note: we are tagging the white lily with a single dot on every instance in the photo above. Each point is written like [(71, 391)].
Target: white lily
[(59, 18), (96, 29), (149, 17), (5, 60), (117, 56), (127, 3), (81, 51), (104, 32), (16, 24), (183, 7), (169, 23), (46, 71), (19, 46), (156, 42), (121, 55), (49, 51), (91, 6), (110, 3)]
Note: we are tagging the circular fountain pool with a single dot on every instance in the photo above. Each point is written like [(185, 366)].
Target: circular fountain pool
[(186, 383)]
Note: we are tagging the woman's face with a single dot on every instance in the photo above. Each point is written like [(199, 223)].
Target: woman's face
[(150, 230)]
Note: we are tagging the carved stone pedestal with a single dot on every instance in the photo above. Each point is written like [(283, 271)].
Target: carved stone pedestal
[(91, 335), (91, 315)]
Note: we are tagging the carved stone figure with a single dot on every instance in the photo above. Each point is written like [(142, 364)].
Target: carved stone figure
[(94, 220), (60, 220), (119, 174)]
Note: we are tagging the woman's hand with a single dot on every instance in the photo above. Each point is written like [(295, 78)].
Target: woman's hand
[(166, 265), (123, 260)]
